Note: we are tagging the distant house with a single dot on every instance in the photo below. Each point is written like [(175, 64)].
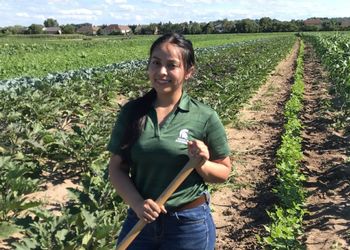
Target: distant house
[(146, 30), (219, 27), (87, 29), (52, 30), (313, 22), (115, 29), (344, 23)]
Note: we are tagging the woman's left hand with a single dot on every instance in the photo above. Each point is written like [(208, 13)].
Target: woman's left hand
[(198, 150)]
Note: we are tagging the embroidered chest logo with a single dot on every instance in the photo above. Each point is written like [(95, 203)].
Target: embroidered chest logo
[(183, 136)]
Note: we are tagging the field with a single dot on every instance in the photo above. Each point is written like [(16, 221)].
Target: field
[(285, 101), (21, 56)]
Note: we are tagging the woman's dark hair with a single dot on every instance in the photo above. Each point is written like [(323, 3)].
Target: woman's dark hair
[(181, 42), (143, 104)]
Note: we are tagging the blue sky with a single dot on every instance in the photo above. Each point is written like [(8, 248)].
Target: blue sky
[(25, 12)]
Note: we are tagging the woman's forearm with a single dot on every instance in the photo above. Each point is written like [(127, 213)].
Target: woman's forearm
[(215, 171), (123, 185)]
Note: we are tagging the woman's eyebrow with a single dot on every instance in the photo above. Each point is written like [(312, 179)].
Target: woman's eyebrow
[(170, 60)]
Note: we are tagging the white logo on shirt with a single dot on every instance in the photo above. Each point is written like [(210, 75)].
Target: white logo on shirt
[(183, 136)]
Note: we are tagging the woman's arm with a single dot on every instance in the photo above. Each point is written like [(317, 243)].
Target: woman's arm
[(215, 171), (147, 210), (120, 179)]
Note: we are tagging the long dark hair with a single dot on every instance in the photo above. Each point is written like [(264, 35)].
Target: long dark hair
[(143, 104)]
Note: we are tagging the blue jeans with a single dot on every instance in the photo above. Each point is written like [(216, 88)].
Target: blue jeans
[(190, 229)]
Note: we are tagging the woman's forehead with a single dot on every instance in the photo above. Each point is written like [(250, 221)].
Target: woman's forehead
[(167, 50)]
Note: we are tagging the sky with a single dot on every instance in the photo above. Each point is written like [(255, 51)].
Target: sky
[(127, 12)]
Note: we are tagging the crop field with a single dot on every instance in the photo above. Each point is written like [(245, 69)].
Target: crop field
[(20, 56), (59, 100)]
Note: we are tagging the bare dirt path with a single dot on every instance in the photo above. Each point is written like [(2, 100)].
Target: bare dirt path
[(239, 210), (326, 163)]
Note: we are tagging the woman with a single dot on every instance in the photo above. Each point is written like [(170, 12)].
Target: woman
[(152, 140)]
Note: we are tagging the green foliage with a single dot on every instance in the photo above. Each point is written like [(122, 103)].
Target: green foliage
[(90, 221), (286, 226), (287, 217), (21, 56), (50, 22), (334, 51)]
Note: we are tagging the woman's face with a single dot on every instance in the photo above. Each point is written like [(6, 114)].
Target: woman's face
[(166, 69)]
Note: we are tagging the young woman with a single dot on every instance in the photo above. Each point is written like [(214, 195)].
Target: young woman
[(152, 140)]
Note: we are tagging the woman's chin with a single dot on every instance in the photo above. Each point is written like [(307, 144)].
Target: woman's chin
[(162, 89)]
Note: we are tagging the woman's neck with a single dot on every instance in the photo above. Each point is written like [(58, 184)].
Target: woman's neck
[(168, 101)]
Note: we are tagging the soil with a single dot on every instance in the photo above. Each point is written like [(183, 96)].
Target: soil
[(326, 163), (239, 209)]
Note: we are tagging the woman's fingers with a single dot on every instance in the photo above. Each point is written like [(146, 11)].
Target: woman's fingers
[(163, 209), (197, 148), (152, 210)]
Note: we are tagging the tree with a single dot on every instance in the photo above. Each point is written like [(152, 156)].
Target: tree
[(166, 28), (298, 23), (247, 26), (133, 28), (265, 24), (329, 25), (153, 28), (68, 29), (16, 29), (209, 28), (50, 22), (195, 28), (35, 29), (228, 26)]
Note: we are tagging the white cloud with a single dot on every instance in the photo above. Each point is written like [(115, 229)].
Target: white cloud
[(175, 5), (59, 1), (155, 1), (138, 18), (127, 7), (80, 12), (110, 2), (22, 14), (30, 16), (82, 15)]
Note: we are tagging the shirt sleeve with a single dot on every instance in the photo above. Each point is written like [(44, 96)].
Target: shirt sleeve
[(114, 145), (216, 138)]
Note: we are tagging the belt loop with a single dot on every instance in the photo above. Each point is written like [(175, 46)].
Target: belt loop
[(207, 196)]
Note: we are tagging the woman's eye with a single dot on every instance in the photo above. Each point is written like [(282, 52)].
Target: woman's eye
[(172, 65)]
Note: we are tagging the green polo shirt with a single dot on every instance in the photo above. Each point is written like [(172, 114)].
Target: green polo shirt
[(161, 151)]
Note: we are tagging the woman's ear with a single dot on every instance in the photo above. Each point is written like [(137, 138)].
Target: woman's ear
[(189, 73)]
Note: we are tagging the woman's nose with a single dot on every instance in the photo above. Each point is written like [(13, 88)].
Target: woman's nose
[(163, 70)]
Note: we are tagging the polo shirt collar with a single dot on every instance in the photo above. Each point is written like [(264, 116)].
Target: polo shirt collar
[(184, 103)]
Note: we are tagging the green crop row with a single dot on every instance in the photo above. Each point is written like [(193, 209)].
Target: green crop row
[(334, 51), (61, 126), (287, 216)]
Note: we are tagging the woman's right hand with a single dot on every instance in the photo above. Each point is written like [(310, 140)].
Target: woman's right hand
[(149, 210)]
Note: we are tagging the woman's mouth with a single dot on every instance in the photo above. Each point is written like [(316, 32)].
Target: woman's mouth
[(159, 81)]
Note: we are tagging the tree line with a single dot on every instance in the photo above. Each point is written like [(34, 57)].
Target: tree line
[(264, 24)]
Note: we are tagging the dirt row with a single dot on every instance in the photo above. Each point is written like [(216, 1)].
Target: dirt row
[(239, 209), (326, 163)]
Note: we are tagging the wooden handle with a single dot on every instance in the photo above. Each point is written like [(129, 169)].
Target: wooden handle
[(176, 182)]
